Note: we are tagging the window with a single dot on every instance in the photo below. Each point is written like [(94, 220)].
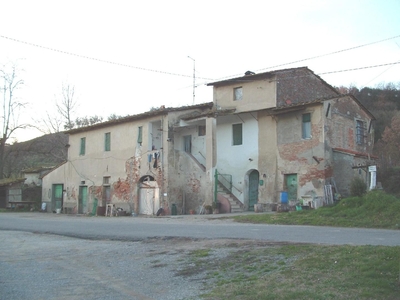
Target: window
[(107, 141), (106, 180), (238, 93), (106, 190), (306, 126), (359, 132), (187, 143), (202, 130), (140, 135), (83, 146), (237, 134)]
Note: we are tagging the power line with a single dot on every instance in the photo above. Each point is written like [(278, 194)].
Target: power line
[(323, 73), (98, 59), (183, 75), (318, 56), (360, 68)]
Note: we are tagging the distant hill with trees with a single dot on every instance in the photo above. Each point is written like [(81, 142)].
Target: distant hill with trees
[(45, 151)]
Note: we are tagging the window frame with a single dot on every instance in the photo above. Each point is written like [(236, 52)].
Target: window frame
[(82, 148), (360, 132), (140, 135), (306, 126), (237, 97), (107, 141), (237, 135), (202, 130)]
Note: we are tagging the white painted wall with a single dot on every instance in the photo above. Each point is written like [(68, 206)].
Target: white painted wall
[(237, 160)]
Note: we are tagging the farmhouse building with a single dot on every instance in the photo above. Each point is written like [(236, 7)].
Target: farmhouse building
[(284, 133)]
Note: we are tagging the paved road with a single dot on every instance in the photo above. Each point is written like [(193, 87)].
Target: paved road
[(211, 227)]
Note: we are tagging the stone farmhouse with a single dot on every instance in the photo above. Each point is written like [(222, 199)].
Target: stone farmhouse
[(265, 138)]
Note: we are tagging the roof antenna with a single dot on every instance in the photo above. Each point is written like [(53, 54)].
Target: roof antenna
[(194, 77)]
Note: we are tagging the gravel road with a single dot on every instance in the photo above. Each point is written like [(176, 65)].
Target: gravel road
[(41, 266), (49, 256)]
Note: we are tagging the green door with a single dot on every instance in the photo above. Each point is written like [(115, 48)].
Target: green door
[(57, 199), (253, 189), (291, 186), (82, 198)]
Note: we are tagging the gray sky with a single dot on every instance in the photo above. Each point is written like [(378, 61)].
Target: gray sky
[(125, 57)]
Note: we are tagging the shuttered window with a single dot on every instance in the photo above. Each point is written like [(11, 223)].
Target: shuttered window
[(82, 150), (107, 141), (360, 132), (140, 138), (306, 126), (237, 134)]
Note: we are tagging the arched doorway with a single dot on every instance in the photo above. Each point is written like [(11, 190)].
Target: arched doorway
[(253, 188), (149, 196)]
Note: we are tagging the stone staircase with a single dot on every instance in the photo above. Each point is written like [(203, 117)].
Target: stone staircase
[(236, 205)]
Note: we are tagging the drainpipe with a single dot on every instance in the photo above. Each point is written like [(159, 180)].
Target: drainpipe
[(215, 186)]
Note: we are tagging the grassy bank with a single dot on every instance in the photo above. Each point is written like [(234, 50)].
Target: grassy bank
[(374, 210), (299, 271)]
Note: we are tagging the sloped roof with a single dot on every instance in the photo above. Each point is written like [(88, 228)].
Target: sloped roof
[(286, 107), (149, 114), (37, 169), (10, 181)]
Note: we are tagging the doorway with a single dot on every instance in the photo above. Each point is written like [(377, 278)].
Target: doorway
[(57, 197), (149, 196), (82, 200), (253, 189), (291, 186), (187, 143)]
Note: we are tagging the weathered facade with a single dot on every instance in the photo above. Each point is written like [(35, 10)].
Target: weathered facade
[(138, 163), (298, 134), (285, 132)]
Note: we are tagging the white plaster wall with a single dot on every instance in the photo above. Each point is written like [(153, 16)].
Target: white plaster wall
[(32, 178), (237, 160), (198, 142)]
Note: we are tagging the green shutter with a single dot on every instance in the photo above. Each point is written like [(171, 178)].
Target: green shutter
[(237, 134), (139, 139), (83, 146), (306, 118), (107, 141)]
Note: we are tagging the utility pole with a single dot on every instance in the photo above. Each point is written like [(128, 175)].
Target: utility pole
[(194, 77)]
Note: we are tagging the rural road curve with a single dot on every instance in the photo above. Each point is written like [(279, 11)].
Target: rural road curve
[(197, 226)]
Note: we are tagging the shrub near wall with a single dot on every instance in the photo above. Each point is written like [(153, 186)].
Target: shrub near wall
[(32, 194), (390, 179), (357, 187)]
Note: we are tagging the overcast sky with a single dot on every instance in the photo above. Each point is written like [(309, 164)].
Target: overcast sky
[(125, 57)]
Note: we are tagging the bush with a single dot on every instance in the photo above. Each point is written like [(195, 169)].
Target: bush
[(390, 179), (358, 187)]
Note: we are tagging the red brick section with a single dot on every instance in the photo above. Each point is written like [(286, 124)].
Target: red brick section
[(314, 173), (122, 189), (356, 153)]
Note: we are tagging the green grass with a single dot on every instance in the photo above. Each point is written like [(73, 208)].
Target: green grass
[(300, 271), (376, 209)]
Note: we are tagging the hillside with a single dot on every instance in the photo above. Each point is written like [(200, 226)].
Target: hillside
[(47, 150)]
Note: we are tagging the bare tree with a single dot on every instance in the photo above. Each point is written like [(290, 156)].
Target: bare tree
[(60, 117), (10, 109), (67, 105)]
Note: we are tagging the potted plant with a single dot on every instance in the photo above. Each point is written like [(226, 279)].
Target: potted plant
[(216, 206), (208, 209)]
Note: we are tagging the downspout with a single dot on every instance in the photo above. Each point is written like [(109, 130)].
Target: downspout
[(216, 186)]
